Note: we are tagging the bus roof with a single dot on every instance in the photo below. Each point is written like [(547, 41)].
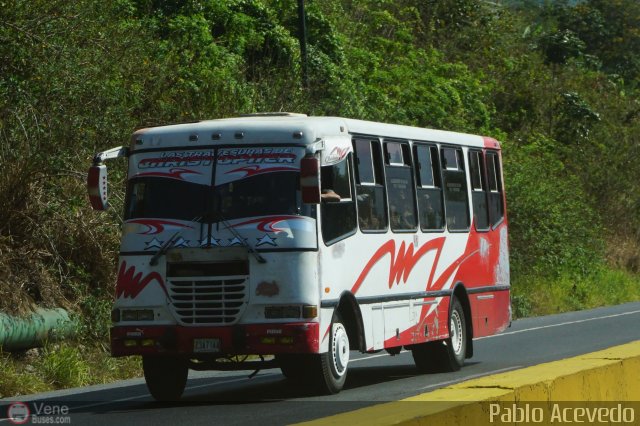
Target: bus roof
[(289, 128)]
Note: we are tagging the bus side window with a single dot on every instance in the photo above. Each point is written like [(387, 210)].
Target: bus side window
[(429, 187), (372, 209), (400, 187), (455, 189), (338, 210), (478, 190), (496, 200)]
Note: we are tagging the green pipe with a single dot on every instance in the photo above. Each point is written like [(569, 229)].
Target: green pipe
[(30, 332)]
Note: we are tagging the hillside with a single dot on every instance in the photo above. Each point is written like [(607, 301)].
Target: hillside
[(558, 83)]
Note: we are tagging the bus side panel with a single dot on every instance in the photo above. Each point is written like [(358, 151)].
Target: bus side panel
[(485, 276), (376, 328), (396, 318), (389, 272), (431, 323), (491, 313)]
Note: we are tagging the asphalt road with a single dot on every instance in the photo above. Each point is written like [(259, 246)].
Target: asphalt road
[(231, 398)]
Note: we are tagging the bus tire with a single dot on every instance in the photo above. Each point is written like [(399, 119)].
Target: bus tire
[(333, 365), (445, 355), (166, 377)]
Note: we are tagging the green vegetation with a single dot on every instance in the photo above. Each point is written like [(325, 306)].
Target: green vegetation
[(61, 365), (539, 295), (556, 82)]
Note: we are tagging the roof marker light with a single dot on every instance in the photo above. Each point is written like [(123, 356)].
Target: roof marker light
[(193, 138), (216, 136), (239, 135), (297, 134)]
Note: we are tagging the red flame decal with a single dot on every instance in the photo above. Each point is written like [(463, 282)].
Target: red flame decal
[(401, 263), (130, 284), (336, 154), (257, 170), (156, 226), (175, 173), (267, 225)]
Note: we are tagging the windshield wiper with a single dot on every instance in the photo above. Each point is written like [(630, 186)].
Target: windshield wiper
[(242, 241), (168, 244)]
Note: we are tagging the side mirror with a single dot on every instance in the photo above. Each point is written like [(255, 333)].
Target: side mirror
[(310, 180), (97, 187)]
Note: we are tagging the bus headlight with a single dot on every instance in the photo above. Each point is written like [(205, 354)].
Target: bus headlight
[(136, 314), (291, 311), (282, 311)]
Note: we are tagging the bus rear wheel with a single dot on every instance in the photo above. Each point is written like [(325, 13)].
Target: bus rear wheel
[(446, 355), (166, 377)]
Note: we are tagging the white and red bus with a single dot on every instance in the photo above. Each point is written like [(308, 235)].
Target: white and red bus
[(305, 238)]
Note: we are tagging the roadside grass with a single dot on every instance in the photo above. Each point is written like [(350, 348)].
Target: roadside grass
[(62, 365), (535, 296), (19, 376)]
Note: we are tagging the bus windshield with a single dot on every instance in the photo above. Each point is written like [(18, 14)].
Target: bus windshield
[(155, 197), (274, 194)]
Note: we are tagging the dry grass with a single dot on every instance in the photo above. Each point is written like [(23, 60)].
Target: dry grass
[(53, 248), (624, 252)]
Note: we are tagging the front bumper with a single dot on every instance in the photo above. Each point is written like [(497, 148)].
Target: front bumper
[(249, 339)]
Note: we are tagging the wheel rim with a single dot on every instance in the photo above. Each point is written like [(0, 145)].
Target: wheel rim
[(340, 350), (456, 332)]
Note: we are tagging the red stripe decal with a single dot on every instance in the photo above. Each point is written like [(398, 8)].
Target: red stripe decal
[(401, 263)]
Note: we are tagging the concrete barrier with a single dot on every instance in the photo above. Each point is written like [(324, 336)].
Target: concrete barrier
[(595, 388)]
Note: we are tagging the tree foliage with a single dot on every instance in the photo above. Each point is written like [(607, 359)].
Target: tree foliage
[(557, 82)]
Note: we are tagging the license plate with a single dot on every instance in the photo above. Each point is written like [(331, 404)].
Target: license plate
[(206, 345)]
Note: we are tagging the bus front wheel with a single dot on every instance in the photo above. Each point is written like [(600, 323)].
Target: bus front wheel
[(166, 377), (446, 355), (333, 365)]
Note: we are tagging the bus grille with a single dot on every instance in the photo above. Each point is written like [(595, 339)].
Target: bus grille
[(208, 300)]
